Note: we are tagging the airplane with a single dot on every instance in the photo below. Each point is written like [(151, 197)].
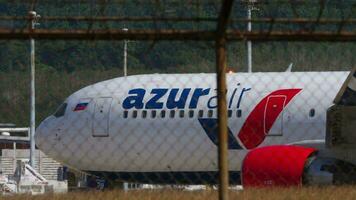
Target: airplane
[(162, 128)]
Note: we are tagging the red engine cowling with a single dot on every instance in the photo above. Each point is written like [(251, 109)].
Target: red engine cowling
[(281, 165)]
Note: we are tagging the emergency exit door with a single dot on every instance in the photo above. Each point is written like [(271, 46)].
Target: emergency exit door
[(273, 118), (101, 117)]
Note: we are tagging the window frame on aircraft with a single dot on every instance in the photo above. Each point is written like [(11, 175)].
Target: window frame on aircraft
[(201, 113), (229, 113), (61, 110), (153, 114), (172, 114), (238, 113), (210, 113), (191, 113), (162, 114), (144, 114), (181, 113), (312, 113), (134, 114), (126, 114)]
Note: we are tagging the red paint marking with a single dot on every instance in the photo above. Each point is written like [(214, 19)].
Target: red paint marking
[(280, 165), (263, 116)]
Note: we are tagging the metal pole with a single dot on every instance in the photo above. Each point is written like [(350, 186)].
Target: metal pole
[(33, 17), (249, 43), (125, 185), (222, 118), (14, 157), (125, 54), (33, 108), (125, 57)]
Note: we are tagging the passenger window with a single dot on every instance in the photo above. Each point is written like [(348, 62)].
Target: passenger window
[(163, 114), (134, 114), (238, 113), (181, 113), (210, 113), (144, 114), (172, 113), (191, 113), (229, 113), (153, 114), (126, 113), (201, 113), (312, 112)]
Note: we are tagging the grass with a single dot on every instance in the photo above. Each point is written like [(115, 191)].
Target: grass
[(342, 192)]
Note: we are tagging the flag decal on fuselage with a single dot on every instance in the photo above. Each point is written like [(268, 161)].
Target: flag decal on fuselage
[(81, 106)]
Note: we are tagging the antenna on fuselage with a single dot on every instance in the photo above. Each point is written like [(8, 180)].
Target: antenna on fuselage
[(289, 69)]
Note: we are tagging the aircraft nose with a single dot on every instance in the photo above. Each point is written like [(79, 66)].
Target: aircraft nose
[(39, 136), (42, 135)]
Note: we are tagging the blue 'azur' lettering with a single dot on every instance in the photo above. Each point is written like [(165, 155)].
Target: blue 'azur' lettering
[(153, 102), (180, 103), (196, 95), (135, 101), (178, 98)]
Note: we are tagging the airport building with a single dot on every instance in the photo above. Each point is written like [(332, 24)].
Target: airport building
[(15, 149)]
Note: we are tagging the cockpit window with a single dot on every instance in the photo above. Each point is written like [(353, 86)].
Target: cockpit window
[(61, 110)]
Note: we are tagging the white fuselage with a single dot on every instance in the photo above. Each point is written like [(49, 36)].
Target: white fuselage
[(121, 128)]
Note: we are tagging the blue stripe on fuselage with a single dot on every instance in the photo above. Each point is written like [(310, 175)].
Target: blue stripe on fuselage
[(210, 126)]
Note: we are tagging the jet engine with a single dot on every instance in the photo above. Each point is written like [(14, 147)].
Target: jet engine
[(288, 165)]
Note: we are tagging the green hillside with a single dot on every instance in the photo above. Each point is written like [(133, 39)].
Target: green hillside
[(55, 81)]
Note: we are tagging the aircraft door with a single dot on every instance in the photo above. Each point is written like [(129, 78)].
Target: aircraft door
[(101, 117), (273, 116)]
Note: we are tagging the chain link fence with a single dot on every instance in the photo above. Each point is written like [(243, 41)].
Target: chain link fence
[(159, 125)]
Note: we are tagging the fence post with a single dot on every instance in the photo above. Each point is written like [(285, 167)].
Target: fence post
[(222, 118), (220, 48)]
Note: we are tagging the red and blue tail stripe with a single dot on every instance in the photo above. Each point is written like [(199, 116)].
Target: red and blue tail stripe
[(257, 124)]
